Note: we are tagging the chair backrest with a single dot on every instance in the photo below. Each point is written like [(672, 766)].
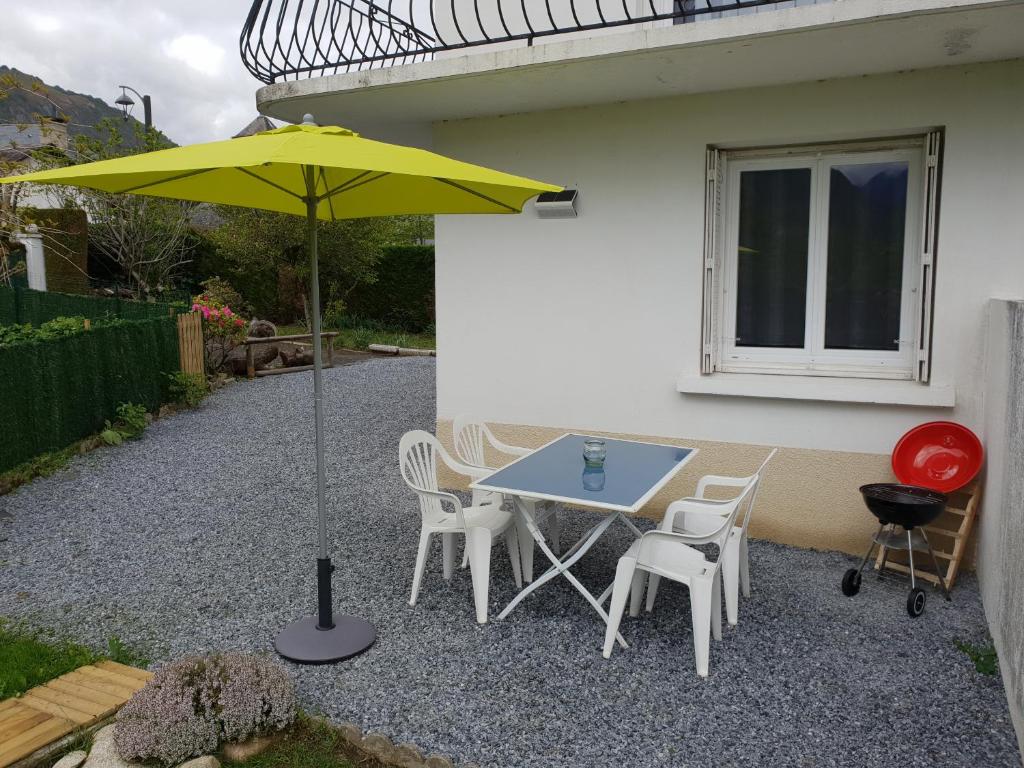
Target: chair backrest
[(469, 436), (417, 461), (736, 505), (757, 486), (753, 482)]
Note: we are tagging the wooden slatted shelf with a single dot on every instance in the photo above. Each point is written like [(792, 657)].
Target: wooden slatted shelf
[(948, 535), (77, 700)]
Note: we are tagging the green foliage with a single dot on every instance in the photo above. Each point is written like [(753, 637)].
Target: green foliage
[(362, 338), (403, 295), (110, 435), (983, 657), (131, 420), (334, 315), (220, 292), (188, 388), (29, 658), (309, 744), (122, 654), (64, 389), (43, 465)]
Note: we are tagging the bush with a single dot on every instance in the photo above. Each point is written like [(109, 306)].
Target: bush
[(188, 388), (190, 707), (221, 292), (131, 420)]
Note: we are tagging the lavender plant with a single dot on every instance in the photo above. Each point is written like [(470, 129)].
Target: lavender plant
[(190, 707)]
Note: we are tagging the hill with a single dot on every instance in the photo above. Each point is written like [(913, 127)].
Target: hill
[(82, 111)]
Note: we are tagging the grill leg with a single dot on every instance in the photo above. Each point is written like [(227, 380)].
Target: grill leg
[(935, 563), (910, 557), (870, 549), (885, 559)]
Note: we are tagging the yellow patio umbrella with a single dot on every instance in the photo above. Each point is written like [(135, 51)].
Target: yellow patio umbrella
[(323, 172)]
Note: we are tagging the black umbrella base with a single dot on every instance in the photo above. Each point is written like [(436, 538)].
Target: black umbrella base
[(305, 643)]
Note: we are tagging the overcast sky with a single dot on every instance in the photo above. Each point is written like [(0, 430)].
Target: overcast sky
[(183, 53)]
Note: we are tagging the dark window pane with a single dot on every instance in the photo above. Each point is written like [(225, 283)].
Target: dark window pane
[(771, 291), (867, 213)]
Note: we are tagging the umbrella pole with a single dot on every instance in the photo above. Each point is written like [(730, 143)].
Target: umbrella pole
[(323, 638)]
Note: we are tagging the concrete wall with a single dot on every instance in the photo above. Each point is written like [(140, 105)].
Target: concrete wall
[(1000, 554), (589, 323)]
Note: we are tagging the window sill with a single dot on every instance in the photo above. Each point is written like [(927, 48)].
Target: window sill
[(822, 388)]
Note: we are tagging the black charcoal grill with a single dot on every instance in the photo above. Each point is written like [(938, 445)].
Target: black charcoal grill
[(901, 510)]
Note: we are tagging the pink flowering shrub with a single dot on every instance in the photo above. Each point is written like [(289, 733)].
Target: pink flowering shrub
[(192, 706), (223, 330)]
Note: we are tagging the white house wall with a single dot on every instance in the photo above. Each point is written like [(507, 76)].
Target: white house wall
[(589, 323)]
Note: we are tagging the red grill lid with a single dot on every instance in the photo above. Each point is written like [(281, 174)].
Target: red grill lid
[(940, 455)]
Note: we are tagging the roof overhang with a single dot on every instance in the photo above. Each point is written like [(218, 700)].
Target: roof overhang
[(824, 41)]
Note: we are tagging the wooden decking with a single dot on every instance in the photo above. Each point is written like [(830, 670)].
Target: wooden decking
[(76, 700)]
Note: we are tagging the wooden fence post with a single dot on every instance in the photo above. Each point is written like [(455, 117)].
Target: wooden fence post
[(190, 343)]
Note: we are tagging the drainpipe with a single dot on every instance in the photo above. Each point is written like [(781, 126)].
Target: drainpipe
[(34, 258)]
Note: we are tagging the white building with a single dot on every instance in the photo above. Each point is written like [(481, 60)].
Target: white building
[(793, 221)]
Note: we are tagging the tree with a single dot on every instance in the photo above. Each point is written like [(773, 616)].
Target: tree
[(149, 238), (270, 248)]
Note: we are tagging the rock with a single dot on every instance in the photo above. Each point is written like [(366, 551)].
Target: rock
[(378, 745), (240, 751), (407, 756), (71, 759), (438, 761), (262, 355), (206, 761), (104, 752), (351, 732), (298, 357), (262, 329)]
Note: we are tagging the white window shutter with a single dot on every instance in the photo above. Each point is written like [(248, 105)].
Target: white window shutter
[(929, 234), (709, 299)]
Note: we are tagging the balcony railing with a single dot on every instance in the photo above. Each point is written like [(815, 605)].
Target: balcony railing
[(291, 39)]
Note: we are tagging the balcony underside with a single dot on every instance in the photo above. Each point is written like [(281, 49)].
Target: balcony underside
[(843, 39)]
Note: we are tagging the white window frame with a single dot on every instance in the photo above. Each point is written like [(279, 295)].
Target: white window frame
[(911, 360)]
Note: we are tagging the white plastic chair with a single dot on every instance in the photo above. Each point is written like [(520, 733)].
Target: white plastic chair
[(736, 560), (482, 525), (471, 436), (672, 555)]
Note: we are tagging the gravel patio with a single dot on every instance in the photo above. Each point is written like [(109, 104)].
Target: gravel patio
[(201, 537)]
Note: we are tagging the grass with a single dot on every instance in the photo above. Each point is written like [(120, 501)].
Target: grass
[(29, 658), (43, 465), (360, 337), (983, 656), (309, 744)]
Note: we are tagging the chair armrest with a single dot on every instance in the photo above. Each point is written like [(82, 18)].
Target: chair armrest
[(449, 498), (476, 473), (693, 504), (511, 450), (719, 481), (681, 544)]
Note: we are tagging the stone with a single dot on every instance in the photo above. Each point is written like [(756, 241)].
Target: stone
[(378, 745), (438, 761), (351, 732), (104, 752), (71, 759), (262, 329), (299, 356), (407, 755), (206, 761), (240, 751), (262, 356)]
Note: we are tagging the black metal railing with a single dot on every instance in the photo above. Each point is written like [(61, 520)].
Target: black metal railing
[(290, 39)]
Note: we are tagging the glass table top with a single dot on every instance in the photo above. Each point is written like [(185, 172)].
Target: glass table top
[(632, 473)]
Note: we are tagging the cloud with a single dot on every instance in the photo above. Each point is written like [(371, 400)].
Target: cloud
[(183, 54)]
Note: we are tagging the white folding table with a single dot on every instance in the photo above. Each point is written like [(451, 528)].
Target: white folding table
[(632, 473)]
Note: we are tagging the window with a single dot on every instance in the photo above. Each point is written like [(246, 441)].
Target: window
[(818, 259)]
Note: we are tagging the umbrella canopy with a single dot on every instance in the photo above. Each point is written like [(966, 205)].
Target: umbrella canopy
[(320, 173), (354, 177)]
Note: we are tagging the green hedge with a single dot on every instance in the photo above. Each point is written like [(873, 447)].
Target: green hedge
[(403, 296), (60, 391), (21, 305)]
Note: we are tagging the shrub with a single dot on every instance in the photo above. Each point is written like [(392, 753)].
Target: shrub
[(334, 315), (190, 707), (131, 420), (223, 330), (188, 388), (362, 338), (221, 292)]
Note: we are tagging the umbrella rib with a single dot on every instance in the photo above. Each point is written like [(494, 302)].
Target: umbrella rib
[(341, 187), (180, 176), (268, 182), (481, 195), (330, 203), (353, 186)]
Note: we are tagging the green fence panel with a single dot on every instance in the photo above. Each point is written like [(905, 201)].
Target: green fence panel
[(57, 392), (21, 305)]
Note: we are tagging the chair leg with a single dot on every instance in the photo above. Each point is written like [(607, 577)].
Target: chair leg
[(700, 611), (512, 545), (555, 531), (652, 591), (744, 566), (623, 578), (448, 554), (478, 543), (465, 556), (526, 545), (636, 591), (421, 562), (716, 607), (731, 578)]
